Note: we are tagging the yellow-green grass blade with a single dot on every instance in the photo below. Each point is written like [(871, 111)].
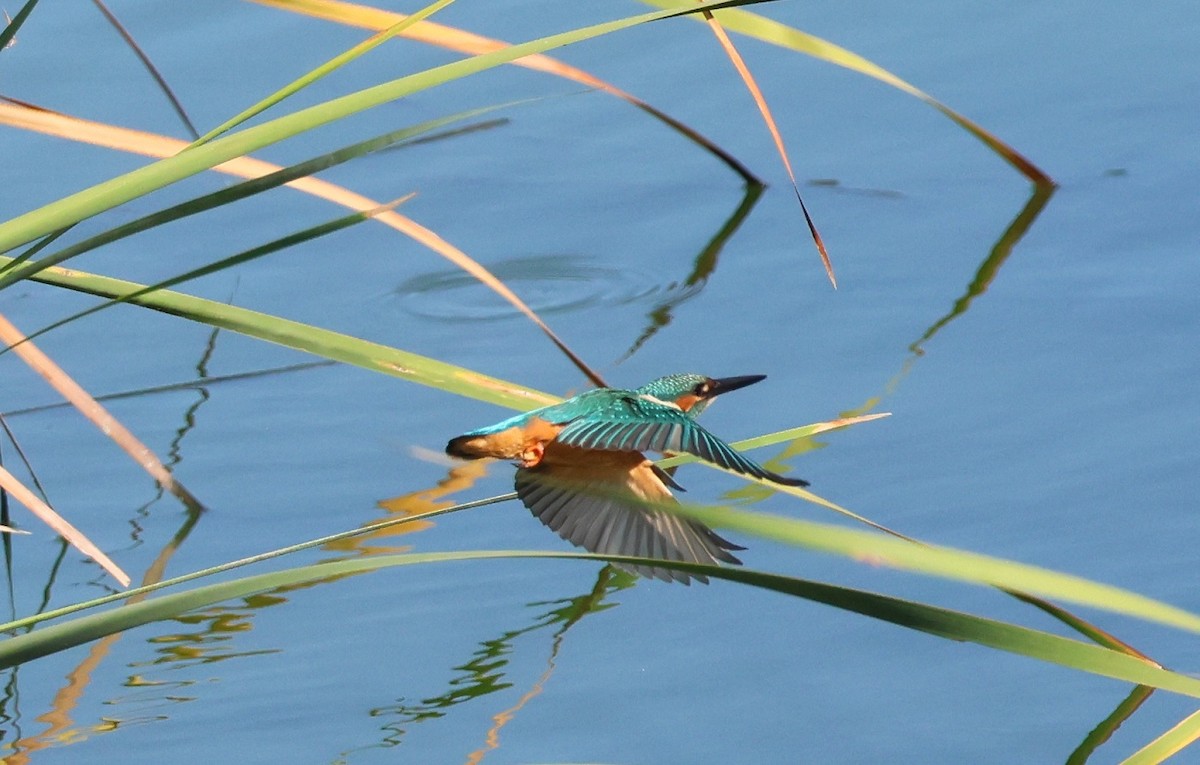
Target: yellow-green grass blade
[(304, 235), (1026, 582), (956, 625), (150, 144), (328, 67), (918, 616), (1168, 744), (111, 193), (331, 539), (784, 36), (953, 625), (793, 434), (15, 271), (33, 249), (1082, 626), (780, 436), (944, 562), (305, 337), (1076, 623), (461, 41)]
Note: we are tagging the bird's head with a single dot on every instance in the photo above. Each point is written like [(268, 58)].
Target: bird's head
[(692, 393)]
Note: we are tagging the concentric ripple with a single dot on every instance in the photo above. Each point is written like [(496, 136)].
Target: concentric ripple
[(547, 283)]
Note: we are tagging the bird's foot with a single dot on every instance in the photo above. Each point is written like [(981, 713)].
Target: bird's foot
[(531, 456)]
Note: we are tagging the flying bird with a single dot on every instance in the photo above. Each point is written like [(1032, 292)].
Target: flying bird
[(582, 468)]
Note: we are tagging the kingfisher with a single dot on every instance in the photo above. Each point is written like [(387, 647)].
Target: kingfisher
[(582, 468)]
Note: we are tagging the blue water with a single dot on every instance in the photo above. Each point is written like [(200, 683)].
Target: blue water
[(1051, 422)]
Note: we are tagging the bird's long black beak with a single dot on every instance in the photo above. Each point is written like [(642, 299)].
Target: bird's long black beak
[(726, 384)]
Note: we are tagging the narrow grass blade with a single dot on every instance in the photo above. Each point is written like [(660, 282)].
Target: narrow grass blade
[(1082, 626), (307, 338), (58, 637), (782, 436), (1104, 731), (8, 35), (1085, 628), (793, 434), (150, 67), (33, 249), (93, 411), (956, 625), (327, 68), (326, 541), (932, 620), (60, 525), (256, 184), (254, 253), (12, 439), (944, 562), (1168, 744), (775, 33), (116, 191), (24, 115), (450, 38), (203, 382), (763, 109)]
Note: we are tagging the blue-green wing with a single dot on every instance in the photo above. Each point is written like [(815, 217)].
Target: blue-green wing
[(638, 424)]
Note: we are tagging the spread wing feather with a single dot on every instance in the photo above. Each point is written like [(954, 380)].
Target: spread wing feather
[(642, 425), (602, 508)]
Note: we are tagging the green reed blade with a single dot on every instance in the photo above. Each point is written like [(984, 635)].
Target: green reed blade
[(918, 616), (109, 194), (305, 337)]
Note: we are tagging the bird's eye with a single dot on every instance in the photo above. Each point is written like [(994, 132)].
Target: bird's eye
[(702, 389)]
